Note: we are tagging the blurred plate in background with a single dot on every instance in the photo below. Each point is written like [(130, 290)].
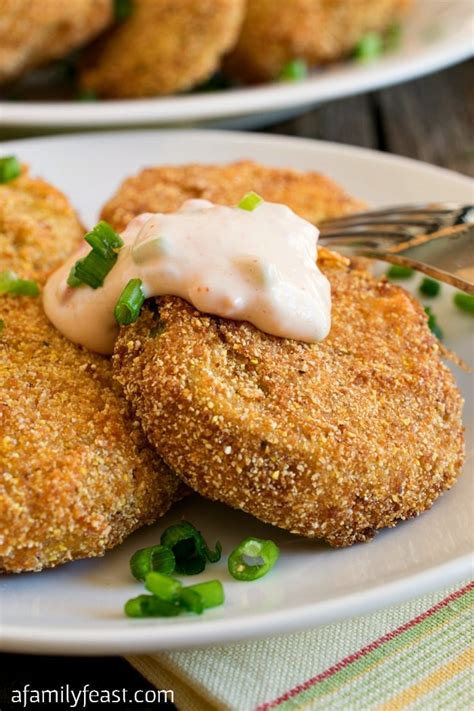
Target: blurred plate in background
[(437, 33)]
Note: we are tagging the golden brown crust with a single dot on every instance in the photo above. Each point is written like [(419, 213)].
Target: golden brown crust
[(76, 476), (164, 188), (38, 227), (277, 31), (333, 440), (164, 46), (33, 32)]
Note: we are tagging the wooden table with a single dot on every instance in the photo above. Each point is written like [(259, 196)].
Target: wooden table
[(430, 119)]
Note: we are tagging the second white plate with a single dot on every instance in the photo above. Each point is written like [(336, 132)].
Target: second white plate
[(437, 33)]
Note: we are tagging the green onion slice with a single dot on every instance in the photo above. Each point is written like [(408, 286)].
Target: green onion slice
[(429, 287), (433, 324), (250, 201), (158, 559), (397, 271), (211, 593), (253, 559), (191, 601), (2, 325), (10, 283), (94, 267), (10, 169), (163, 586), (295, 70), (151, 606), (393, 37), (104, 240), (189, 547), (87, 95), (90, 270), (465, 302), (130, 302), (369, 47), (122, 9)]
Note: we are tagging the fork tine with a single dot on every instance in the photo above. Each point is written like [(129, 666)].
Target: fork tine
[(443, 211)]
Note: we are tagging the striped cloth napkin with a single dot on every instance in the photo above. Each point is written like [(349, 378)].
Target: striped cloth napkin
[(416, 656)]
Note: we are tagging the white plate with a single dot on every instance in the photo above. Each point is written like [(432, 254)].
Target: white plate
[(437, 33), (78, 608)]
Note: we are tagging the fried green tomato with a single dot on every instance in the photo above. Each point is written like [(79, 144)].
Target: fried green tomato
[(164, 46), (164, 188), (276, 32), (34, 32), (76, 474), (332, 440)]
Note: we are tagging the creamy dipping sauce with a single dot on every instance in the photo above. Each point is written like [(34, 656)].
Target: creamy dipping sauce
[(257, 266)]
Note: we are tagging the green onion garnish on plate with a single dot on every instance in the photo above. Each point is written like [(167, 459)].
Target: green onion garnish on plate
[(10, 169), (122, 9), (191, 601), (429, 287), (211, 593), (369, 47), (2, 326), (253, 559), (130, 302), (295, 70), (87, 95), (158, 559), (393, 37), (151, 606), (433, 323), (250, 201), (10, 283), (397, 271), (465, 302), (189, 548), (163, 586)]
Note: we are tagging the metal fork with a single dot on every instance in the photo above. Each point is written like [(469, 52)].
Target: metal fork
[(435, 238)]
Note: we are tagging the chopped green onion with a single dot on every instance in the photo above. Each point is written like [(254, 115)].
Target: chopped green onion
[(130, 302), (213, 556), (90, 270), (73, 281), (10, 168), (369, 47), (210, 592), (433, 324), (397, 271), (252, 559), (189, 548), (2, 325), (11, 284), (393, 37), (94, 267), (151, 606), (250, 201), (122, 9), (295, 70), (87, 95), (158, 559), (191, 601), (465, 302), (163, 586), (429, 287), (104, 240)]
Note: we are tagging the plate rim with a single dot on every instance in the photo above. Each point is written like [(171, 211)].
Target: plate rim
[(389, 70), (153, 637)]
